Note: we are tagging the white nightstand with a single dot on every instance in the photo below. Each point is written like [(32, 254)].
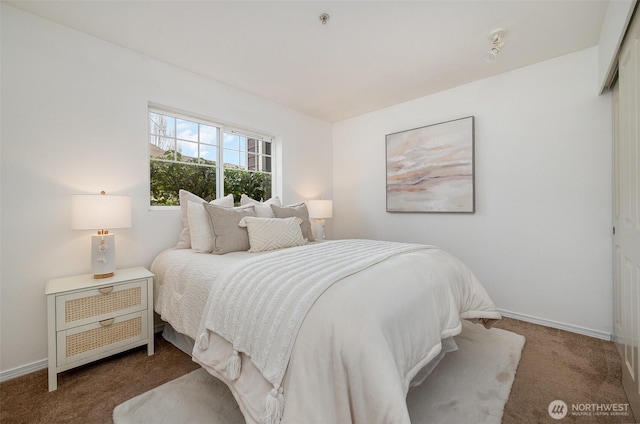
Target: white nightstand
[(90, 319)]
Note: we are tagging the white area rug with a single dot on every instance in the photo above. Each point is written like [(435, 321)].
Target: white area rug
[(471, 385)]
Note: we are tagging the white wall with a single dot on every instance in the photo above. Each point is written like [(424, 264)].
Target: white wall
[(540, 240), (74, 120)]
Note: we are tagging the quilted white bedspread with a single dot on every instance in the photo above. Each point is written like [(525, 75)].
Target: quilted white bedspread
[(360, 345)]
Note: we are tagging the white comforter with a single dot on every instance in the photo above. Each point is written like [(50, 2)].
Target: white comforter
[(359, 347)]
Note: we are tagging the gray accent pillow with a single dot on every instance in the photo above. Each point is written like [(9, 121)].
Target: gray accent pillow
[(300, 211), (228, 236), (184, 242)]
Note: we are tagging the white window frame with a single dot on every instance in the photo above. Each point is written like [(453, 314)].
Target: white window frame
[(221, 129), (247, 134)]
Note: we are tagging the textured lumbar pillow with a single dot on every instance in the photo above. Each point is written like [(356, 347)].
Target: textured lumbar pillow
[(273, 233)]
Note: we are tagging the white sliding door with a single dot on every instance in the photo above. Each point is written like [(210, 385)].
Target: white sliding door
[(627, 212)]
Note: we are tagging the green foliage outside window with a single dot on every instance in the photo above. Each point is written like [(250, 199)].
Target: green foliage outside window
[(199, 177), (256, 185)]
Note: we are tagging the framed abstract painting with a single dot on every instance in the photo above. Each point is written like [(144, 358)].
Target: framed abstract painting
[(431, 169)]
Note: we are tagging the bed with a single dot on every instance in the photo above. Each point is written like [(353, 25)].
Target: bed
[(320, 332)]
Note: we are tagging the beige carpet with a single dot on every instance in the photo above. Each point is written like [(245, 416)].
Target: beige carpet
[(470, 385)]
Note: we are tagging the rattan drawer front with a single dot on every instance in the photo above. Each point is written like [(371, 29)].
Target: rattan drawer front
[(103, 336), (92, 339), (96, 304), (88, 307)]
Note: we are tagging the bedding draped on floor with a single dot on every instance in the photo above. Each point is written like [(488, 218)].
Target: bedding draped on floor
[(470, 386)]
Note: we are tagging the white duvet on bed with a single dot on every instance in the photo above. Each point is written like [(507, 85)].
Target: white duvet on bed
[(360, 345)]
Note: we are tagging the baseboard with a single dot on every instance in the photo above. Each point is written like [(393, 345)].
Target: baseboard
[(559, 325), (42, 364), (23, 370)]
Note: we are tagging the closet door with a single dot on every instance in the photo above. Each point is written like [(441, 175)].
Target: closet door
[(627, 212)]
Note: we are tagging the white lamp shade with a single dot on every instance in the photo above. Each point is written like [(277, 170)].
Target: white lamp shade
[(100, 212), (320, 209)]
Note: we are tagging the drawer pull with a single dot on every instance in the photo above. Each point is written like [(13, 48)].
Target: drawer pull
[(106, 322), (105, 290)]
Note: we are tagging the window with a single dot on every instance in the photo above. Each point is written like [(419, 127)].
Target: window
[(184, 153)]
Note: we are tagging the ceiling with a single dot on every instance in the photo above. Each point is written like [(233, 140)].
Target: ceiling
[(370, 54)]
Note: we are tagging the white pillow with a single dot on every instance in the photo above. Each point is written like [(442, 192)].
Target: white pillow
[(199, 228), (263, 209), (184, 242), (272, 233)]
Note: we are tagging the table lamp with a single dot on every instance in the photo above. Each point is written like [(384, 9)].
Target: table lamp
[(101, 212), (319, 210)]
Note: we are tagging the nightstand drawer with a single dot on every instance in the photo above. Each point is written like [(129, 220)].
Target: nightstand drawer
[(89, 306), (97, 338)]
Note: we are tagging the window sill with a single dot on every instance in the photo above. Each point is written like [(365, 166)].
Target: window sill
[(164, 208)]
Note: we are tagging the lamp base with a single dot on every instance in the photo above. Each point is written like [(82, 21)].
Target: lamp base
[(319, 229), (103, 255)]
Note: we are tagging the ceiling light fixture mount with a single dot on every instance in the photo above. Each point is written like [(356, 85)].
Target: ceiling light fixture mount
[(324, 18), (496, 37)]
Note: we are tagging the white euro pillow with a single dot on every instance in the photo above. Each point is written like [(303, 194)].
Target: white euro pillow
[(273, 233), (263, 209), (199, 228)]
